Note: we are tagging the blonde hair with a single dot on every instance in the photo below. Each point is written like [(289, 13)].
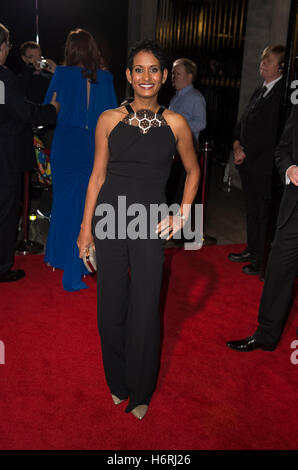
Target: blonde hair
[(189, 66), (279, 50), (4, 34)]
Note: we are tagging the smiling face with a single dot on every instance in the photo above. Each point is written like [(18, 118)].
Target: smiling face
[(270, 67), (146, 76)]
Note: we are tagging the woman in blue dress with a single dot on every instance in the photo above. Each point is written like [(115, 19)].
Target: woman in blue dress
[(83, 91)]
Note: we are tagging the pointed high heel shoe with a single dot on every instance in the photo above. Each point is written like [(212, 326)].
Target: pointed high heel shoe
[(116, 400), (140, 411)]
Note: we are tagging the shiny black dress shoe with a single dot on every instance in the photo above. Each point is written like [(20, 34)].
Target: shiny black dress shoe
[(11, 276), (244, 256), (251, 269), (250, 344)]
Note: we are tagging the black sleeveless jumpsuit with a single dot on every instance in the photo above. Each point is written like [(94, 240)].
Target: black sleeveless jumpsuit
[(130, 270)]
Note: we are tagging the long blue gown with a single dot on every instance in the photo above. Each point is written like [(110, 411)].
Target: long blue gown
[(72, 156)]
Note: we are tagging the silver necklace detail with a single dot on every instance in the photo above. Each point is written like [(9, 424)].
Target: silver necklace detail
[(145, 119)]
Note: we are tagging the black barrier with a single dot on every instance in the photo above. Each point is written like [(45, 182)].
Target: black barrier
[(24, 245), (202, 197)]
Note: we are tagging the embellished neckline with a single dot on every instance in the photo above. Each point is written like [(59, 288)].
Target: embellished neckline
[(144, 119)]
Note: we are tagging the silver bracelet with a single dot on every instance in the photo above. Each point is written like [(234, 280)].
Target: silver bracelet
[(182, 217)]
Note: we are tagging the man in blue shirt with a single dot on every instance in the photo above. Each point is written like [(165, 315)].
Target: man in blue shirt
[(191, 104), (188, 101)]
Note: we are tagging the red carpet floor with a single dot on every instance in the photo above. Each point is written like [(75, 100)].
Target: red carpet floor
[(53, 393)]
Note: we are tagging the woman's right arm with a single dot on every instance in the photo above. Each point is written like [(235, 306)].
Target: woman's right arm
[(96, 181)]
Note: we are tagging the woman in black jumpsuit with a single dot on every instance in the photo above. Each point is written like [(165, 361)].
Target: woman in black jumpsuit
[(134, 151)]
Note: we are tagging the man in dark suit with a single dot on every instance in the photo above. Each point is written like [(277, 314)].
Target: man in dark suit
[(255, 138), (283, 260), (35, 79), (15, 113)]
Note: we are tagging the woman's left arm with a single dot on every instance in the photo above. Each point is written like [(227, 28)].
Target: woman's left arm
[(189, 159), (188, 155), (53, 87)]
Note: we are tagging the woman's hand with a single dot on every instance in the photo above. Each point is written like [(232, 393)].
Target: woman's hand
[(85, 241), (170, 225), (55, 103)]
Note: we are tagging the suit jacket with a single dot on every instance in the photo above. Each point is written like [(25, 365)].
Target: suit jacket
[(35, 85), (286, 154), (15, 113), (258, 130)]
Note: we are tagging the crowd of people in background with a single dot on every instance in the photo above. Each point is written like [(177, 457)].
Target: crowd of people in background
[(17, 115), (79, 101)]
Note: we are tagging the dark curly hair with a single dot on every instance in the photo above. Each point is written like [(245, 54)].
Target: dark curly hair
[(148, 45)]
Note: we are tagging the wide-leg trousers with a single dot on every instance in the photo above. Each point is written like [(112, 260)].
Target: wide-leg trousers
[(129, 282), (280, 276)]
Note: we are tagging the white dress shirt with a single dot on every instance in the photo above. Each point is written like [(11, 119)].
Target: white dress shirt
[(270, 85)]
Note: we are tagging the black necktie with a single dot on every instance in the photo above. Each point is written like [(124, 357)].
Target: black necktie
[(259, 96), (264, 89)]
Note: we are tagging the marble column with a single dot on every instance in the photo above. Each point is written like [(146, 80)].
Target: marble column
[(141, 23), (141, 20)]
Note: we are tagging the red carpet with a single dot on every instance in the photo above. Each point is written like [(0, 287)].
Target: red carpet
[(53, 393)]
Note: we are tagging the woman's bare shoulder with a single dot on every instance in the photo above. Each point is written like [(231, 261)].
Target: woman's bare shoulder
[(111, 114), (111, 117), (176, 120), (174, 117)]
